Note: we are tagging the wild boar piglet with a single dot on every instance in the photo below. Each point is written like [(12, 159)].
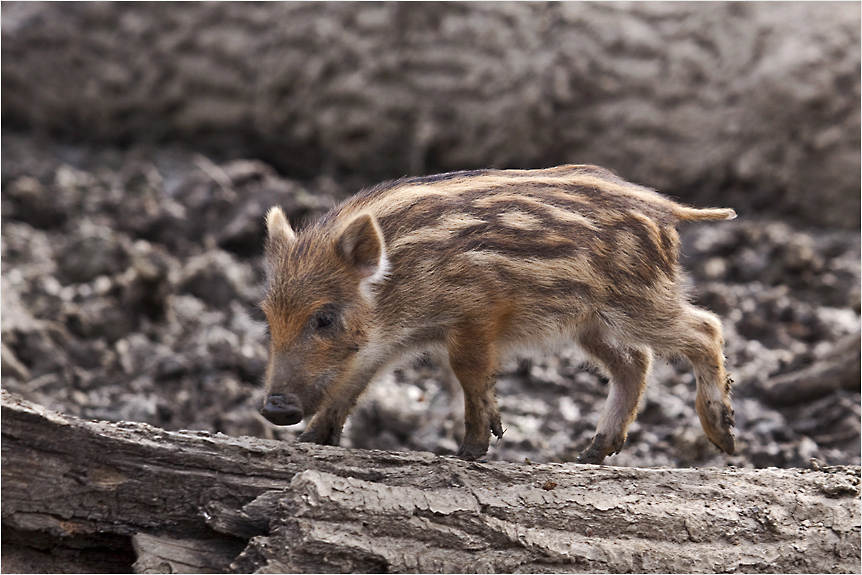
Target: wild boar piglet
[(481, 264)]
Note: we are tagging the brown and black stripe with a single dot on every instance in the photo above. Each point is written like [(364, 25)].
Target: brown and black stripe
[(529, 223)]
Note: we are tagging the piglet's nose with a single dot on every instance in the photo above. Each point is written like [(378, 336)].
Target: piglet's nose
[(280, 412)]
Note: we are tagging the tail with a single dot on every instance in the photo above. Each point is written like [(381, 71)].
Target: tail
[(687, 214)]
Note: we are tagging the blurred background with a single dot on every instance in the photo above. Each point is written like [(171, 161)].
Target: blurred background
[(142, 144)]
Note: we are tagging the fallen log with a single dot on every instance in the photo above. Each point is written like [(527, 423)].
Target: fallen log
[(200, 502)]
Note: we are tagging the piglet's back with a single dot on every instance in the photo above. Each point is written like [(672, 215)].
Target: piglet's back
[(573, 235), (517, 212)]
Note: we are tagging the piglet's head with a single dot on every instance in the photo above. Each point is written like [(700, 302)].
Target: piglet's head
[(319, 307)]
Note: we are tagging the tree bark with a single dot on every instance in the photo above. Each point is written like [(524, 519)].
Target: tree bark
[(200, 502), (754, 105)]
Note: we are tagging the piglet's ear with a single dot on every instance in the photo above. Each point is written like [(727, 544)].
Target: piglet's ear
[(278, 232), (278, 237), (361, 246), (277, 228)]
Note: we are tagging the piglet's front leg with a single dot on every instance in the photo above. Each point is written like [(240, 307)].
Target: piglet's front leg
[(326, 425), (323, 430)]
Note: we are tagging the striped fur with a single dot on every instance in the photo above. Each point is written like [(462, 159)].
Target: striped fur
[(482, 264)]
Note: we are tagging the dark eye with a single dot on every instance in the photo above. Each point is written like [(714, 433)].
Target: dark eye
[(323, 319)]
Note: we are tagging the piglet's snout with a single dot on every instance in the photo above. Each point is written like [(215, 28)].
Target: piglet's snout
[(281, 411)]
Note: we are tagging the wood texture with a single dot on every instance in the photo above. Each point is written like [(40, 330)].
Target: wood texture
[(201, 502)]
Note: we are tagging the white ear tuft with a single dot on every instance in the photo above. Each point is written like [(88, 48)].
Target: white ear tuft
[(277, 226)]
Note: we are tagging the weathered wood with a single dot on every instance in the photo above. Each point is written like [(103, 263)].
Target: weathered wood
[(170, 555), (305, 508)]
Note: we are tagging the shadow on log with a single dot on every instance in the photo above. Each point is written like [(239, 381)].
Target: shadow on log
[(200, 502)]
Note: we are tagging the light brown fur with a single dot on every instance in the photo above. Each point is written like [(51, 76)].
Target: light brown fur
[(484, 264)]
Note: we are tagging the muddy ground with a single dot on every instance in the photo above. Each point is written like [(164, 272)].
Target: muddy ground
[(130, 279)]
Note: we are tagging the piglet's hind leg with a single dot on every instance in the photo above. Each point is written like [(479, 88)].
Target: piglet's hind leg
[(704, 349), (473, 361), (628, 369)]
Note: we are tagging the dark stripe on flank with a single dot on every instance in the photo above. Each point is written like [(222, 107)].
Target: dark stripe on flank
[(510, 242), (652, 252), (427, 212)]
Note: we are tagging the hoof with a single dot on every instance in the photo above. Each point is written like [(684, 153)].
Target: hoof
[(725, 442), (329, 437), (590, 456), (600, 448), (721, 435), (471, 452)]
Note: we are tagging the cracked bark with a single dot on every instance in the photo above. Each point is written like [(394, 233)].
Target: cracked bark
[(198, 502)]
